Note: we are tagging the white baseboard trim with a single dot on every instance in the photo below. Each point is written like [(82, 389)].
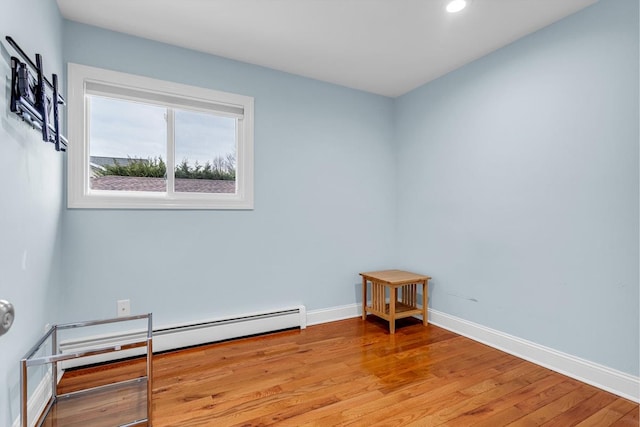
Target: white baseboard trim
[(37, 402), (332, 314), (611, 380), (603, 377)]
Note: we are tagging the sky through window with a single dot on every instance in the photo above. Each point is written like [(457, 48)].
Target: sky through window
[(122, 128)]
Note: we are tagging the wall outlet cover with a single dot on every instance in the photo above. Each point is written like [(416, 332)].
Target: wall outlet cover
[(124, 307)]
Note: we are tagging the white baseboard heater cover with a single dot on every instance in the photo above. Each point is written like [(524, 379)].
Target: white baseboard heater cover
[(189, 334)]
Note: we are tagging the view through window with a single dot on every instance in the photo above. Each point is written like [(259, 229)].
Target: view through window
[(129, 147)]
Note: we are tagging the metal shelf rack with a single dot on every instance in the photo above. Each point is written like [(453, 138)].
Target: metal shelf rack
[(33, 359)]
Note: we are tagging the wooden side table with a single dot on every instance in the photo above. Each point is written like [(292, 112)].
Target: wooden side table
[(393, 280)]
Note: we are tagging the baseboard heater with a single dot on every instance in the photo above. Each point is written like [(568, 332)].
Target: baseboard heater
[(183, 335)]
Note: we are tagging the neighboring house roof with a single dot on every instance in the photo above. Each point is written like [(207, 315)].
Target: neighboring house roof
[(98, 163), (183, 185), (106, 161)]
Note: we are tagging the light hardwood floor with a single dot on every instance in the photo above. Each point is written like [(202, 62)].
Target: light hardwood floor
[(349, 373)]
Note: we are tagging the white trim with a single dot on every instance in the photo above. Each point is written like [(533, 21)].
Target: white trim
[(612, 380), (332, 314), (189, 98), (603, 377), (79, 195), (37, 401)]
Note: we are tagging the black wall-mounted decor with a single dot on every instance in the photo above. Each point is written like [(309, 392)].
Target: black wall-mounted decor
[(34, 98)]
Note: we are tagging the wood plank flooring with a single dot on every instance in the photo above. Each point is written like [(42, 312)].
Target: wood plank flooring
[(348, 373)]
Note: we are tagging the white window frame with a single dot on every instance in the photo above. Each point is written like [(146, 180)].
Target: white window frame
[(80, 195)]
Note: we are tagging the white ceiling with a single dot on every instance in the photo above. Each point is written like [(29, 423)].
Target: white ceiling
[(388, 47)]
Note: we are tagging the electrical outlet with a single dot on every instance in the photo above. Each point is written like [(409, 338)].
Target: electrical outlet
[(124, 307)]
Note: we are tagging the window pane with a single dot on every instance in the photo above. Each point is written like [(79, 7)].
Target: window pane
[(127, 145), (205, 153)]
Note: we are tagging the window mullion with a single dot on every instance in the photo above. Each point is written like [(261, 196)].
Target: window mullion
[(171, 152)]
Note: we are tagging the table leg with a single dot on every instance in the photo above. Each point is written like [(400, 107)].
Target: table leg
[(364, 298), (392, 309), (425, 312)]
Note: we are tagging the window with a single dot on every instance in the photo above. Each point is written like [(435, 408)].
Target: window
[(137, 142)]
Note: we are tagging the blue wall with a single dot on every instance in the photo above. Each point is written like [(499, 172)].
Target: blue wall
[(518, 187), (324, 176), (31, 193), (515, 180)]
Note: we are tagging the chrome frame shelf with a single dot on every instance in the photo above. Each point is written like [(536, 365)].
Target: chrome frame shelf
[(29, 360)]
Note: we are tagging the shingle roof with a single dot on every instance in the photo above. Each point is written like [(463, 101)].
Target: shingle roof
[(110, 161), (183, 185)]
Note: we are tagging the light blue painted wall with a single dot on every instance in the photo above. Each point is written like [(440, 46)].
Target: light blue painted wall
[(518, 187), (31, 194), (529, 204), (324, 176)]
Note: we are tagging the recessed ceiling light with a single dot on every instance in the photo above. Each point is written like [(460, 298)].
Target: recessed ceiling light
[(456, 6)]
